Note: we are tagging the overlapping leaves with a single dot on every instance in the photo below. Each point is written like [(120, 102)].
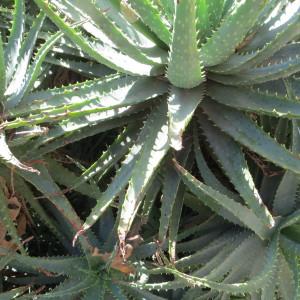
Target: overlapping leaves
[(212, 62)]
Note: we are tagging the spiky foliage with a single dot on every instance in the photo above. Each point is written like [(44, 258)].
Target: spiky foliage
[(219, 63), (20, 72), (246, 39)]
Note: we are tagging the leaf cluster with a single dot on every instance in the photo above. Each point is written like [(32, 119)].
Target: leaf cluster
[(149, 149)]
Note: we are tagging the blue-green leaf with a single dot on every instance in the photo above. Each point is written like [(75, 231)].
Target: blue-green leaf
[(181, 106), (185, 67)]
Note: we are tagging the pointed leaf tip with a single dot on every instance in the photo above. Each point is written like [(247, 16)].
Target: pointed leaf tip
[(181, 106), (8, 157)]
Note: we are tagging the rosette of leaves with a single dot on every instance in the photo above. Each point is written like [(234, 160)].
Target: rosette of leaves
[(202, 54), (99, 274), (22, 55), (210, 262), (21, 73), (25, 183), (230, 252), (175, 58)]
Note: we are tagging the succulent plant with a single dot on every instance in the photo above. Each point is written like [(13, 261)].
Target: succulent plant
[(20, 72), (225, 259), (229, 68), (210, 57)]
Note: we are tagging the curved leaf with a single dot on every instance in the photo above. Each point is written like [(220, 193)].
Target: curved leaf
[(246, 132), (7, 156)]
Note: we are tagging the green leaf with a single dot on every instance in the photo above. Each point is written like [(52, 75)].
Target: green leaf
[(117, 292), (244, 131), (275, 14), (254, 101), (270, 14), (61, 138), (291, 89), (185, 67), (168, 8), (25, 134), (101, 53), (185, 280), (72, 286), (139, 294), (215, 11), (8, 157), (235, 167), (33, 71), (110, 31), (281, 29), (67, 265), (116, 186), (46, 185), (149, 200), (201, 241), (96, 98), (152, 18), (269, 291), (289, 246), (67, 121), (65, 177), (291, 219), (206, 173), (283, 63), (91, 69), (25, 55), (171, 184), (154, 149), (293, 262), (23, 189), (286, 282), (213, 253), (111, 156), (209, 13), (286, 195), (279, 37), (231, 32), (71, 94), (228, 6), (122, 17), (15, 39), (203, 24), (250, 248), (214, 199), (78, 128), (175, 222), (181, 106)]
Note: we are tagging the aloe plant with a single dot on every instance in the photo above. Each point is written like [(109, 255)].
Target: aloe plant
[(153, 67), (209, 262), (21, 73), (230, 48)]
